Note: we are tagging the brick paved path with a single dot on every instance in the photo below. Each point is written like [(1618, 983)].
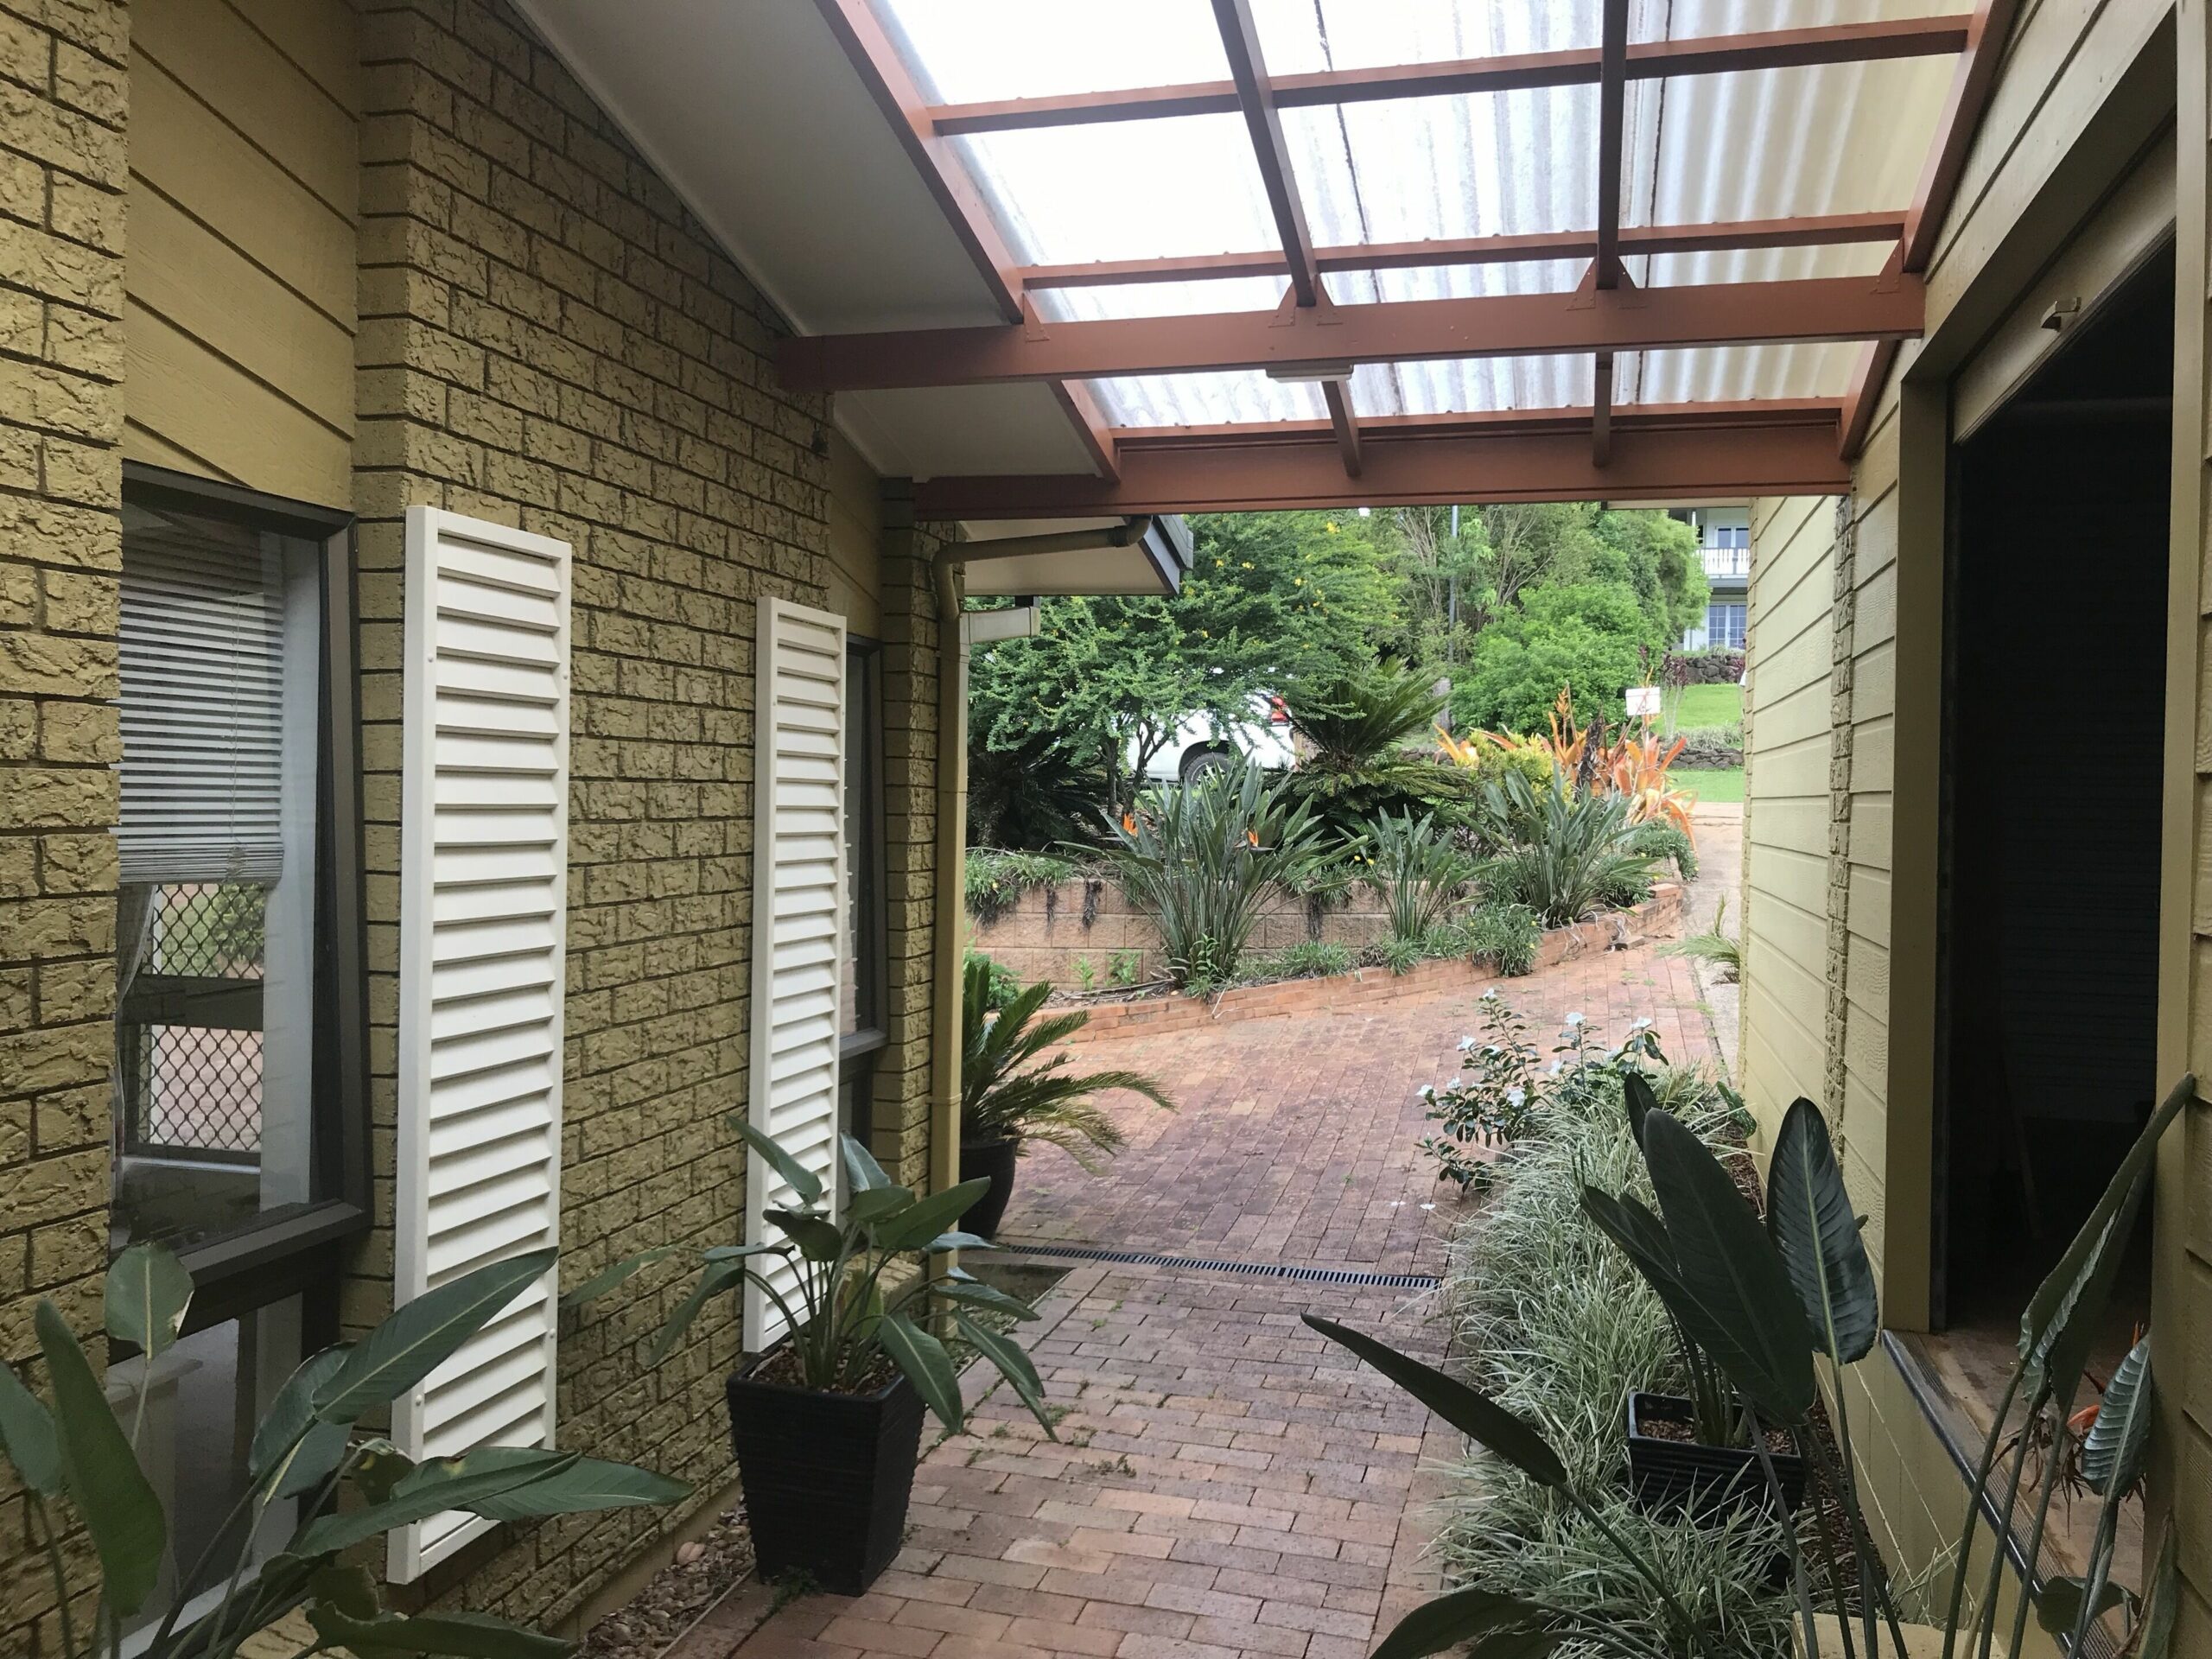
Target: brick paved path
[(1225, 1484)]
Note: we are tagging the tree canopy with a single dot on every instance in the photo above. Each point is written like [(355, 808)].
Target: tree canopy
[(1510, 603)]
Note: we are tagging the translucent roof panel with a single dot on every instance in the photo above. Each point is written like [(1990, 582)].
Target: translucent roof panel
[(1413, 170), (972, 51), (1124, 189), (1840, 138)]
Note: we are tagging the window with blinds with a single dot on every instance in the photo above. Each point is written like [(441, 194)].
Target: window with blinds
[(203, 672), (220, 660)]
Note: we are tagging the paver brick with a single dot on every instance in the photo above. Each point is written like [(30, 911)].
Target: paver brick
[(1246, 1490)]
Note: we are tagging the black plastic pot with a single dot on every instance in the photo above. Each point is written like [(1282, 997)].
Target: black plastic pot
[(991, 1160), (827, 1477), (1677, 1476)]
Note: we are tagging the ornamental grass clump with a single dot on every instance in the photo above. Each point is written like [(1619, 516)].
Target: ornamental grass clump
[(1559, 1328)]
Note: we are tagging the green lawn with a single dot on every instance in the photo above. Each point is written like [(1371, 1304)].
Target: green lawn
[(1710, 705), (1727, 785)]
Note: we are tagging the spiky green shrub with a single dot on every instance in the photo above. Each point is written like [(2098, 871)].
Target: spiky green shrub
[(1664, 843), (1564, 853), (1418, 871), (1202, 859)]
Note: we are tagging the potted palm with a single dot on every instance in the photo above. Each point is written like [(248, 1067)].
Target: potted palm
[(1008, 1098), (826, 1424)]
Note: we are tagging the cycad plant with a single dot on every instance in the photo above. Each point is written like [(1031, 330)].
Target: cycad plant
[(1769, 1301), (1202, 859), (75, 1453), (1362, 728), (1563, 852), (1007, 1093), (1418, 870)]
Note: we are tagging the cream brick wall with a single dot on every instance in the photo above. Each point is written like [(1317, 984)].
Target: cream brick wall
[(548, 340), (61, 227)]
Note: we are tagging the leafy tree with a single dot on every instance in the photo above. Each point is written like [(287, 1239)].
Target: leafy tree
[(1586, 636), (1658, 557), (1274, 597)]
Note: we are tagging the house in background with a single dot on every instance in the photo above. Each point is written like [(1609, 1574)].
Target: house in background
[(1724, 540)]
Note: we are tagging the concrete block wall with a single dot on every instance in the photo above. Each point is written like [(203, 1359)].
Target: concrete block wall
[(62, 172)]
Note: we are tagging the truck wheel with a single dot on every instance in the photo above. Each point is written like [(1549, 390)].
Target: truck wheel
[(1200, 763)]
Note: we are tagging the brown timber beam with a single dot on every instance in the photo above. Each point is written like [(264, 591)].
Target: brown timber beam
[(1499, 325), (1662, 463), (1972, 81), (1820, 412), (1240, 40), (1787, 48), (1818, 231), (878, 63), (1606, 267)]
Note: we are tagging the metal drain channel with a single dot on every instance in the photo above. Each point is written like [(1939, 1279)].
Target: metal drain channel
[(1247, 1269)]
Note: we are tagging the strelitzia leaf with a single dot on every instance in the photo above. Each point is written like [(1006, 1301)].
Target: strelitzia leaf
[(431, 1490), (2113, 1450), (147, 1292), (2062, 1316), (619, 1273), (877, 1202), (796, 1175), (276, 1437), (716, 1277), (1739, 1304), (1480, 1419), (350, 1590), (1459, 1616), (1012, 1364), (1636, 1095), (972, 1293), (926, 1217), (27, 1437), (101, 1471), (320, 1451), (862, 1172), (422, 1334), (926, 1365), (1809, 1217), (579, 1486), (818, 1238)]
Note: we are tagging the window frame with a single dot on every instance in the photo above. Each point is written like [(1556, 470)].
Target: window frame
[(264, 1262), (857, 1049)]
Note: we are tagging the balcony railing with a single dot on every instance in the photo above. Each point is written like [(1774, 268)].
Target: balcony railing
[(1726, 561)]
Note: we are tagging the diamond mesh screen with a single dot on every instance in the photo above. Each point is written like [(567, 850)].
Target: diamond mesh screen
[(196, 1087)]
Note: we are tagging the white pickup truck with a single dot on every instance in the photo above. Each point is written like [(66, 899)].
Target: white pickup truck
[(1202, 743)]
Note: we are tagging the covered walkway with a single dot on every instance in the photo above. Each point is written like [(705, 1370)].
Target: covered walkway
[(1225, 1483)]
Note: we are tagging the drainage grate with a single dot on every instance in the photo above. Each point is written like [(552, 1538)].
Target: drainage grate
[(1249, 1269)]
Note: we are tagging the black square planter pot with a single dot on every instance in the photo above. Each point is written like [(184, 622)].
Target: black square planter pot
[(827, 1477), (1670, 1476)]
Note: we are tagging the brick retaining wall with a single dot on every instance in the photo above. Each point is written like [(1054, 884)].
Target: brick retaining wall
[(1659, 916), (1047, 934)]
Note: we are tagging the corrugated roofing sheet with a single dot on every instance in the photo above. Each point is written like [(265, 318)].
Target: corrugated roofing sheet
[(1771, 143)]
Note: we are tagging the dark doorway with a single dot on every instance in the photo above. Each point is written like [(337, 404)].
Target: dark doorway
[(2054, 710)]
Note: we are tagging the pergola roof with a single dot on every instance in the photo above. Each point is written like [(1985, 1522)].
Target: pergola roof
[(1263, 252)]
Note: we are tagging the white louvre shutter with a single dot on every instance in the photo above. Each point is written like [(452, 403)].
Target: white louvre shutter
[(201, 657), (798, 955), (484, 837)]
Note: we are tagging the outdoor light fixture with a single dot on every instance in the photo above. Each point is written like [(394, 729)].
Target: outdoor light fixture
[(1314, 374)]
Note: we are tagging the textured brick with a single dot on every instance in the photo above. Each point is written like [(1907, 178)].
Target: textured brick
[(532, 350)]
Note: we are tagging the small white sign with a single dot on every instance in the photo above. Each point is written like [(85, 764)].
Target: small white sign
[(1642, 700)]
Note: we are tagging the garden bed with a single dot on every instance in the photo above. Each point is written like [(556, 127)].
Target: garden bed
[(1659, 916)]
